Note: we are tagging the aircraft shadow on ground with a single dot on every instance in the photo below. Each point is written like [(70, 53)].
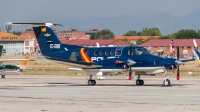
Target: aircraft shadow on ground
[(133, 85)]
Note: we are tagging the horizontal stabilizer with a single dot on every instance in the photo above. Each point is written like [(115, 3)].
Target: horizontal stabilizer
[(33, 24)]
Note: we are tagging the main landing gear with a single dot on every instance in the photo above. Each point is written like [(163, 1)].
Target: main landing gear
[(166, 82), (91, 82), (2, 76), (139, 81)]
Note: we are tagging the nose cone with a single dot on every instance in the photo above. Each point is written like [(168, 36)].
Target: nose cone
[(179, 62), (130, 62)]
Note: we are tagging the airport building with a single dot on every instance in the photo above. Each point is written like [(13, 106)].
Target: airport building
[(16, 44), (11, 43), (186, 46)]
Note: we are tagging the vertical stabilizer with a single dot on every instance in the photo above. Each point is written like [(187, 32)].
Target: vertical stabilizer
[(47, 40), (1, 48), (195, 43)]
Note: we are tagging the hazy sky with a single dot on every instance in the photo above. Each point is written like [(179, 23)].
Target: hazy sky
[(40, 10), (27, 9)]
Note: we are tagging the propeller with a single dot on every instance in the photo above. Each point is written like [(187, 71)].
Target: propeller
[(178, 71), (130, 71)]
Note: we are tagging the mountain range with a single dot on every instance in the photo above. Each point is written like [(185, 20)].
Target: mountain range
[(119, 25)]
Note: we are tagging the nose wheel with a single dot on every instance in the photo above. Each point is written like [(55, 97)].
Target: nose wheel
[(166, 82), (139, 82)]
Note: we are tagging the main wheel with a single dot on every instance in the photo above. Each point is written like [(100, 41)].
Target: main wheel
[(2, 76), (167, 82), (93, 82), (137, 82), (90, 82), (141, 82)]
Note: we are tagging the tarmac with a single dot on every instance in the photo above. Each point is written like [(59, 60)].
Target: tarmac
[(61, 93)]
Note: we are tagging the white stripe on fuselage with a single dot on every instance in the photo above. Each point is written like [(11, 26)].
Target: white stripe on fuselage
[(145, 69)]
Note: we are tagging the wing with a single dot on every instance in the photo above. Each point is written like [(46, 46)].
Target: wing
[(73, 63)]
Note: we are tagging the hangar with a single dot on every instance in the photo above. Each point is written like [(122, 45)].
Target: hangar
[(15, 44), (11, 43)]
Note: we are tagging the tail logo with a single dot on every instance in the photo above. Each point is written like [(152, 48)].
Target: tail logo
[(84, 56), (43, 29), (47, 35)]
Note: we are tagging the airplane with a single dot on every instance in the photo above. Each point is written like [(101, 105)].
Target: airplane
[(8, 69), (99, 60), (196, 52)]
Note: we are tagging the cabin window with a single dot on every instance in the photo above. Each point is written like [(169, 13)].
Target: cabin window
[(101, 53), (129, 52), (112, 53), (96, 53), (118, 52), (107, 53), (88, 52)]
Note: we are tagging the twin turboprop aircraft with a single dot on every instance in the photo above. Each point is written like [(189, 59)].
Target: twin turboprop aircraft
[(97, 61), (196, 52)]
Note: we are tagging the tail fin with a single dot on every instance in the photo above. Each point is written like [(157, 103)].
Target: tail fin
[(196, 52), (47, 39), (195, 43), (1, 48)]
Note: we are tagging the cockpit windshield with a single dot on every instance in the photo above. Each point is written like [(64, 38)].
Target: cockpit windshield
[(139, 51)]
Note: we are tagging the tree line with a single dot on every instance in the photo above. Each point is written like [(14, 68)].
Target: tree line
[(107, 34), (181, 34)]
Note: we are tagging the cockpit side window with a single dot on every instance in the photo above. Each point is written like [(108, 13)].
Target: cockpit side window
[(138, 51), (129, 52)]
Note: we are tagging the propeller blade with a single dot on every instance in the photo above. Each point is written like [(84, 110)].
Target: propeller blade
[(178, 71), (130, 71), (177, 52)]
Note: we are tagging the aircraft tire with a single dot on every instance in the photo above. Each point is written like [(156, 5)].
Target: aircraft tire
[(90, 82), (141, 82), (93, 82), (137, 82), (2, 76), (167, 82)]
